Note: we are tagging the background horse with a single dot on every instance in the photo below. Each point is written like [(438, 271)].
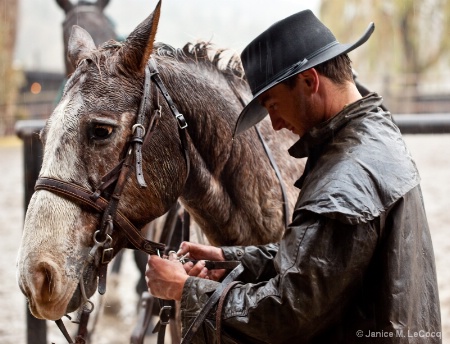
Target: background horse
[(91, 17), (230, 190)]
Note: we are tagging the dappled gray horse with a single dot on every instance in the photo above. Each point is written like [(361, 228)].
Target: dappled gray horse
[(228, 186)]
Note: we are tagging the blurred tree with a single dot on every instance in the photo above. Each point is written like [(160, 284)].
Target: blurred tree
[(10, 79), (411, 36)]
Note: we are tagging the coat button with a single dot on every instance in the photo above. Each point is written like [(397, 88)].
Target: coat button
[(239, 253)]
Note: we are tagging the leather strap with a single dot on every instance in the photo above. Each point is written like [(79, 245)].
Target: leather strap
[(144, 317), (271, 159), (182, 124), (210, 304), (63, 330), (280, 179), (87, 198), (164, 318), (220, 308), (82, 329), (139, 130)]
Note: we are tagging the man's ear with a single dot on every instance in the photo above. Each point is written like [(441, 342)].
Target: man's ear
[(311, 80)]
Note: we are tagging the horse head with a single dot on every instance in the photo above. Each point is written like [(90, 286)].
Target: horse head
[(91, 17), (230, 189), (84, 138)]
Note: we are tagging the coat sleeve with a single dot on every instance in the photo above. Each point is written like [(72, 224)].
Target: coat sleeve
[(258, 261), (319, 264)]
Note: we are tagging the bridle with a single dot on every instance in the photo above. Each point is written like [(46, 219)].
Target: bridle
[(99, 201)]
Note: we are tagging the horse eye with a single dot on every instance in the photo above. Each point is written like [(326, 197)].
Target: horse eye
[(101, 131)]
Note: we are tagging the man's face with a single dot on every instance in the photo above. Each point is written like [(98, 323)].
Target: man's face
[(289, 107)]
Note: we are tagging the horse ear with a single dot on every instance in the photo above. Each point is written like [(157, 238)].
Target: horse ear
[(139, 44), (80, 45), (102, 4), (66, 5)]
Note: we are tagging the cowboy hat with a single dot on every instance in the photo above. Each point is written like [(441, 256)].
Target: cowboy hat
[(290, 46)]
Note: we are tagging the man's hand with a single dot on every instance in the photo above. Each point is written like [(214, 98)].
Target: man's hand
[(165, 277), (201, 252)]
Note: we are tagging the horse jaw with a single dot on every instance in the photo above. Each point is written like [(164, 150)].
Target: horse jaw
[(49, 262)]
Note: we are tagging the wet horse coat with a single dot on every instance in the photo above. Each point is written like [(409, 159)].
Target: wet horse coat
[(231, 190)]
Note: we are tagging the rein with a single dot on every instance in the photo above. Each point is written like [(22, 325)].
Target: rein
[(117, 178)]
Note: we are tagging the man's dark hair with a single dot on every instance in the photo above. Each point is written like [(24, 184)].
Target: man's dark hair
[(338, 70)]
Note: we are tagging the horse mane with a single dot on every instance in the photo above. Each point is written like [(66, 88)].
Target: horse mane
[(224, 60), (203, 53)]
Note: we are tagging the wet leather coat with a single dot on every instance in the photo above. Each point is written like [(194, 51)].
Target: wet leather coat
[(356, 265)]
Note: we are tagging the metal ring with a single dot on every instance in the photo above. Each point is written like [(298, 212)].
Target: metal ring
[(88, 309), (101, 243), (137, 125)]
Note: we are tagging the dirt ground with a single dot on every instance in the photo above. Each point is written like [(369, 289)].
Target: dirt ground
[(430, 153)]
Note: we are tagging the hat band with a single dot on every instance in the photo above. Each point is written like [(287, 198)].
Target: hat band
[(295, 67)]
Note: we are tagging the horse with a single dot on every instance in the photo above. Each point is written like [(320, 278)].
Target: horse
[(173, 139), (91, 17)]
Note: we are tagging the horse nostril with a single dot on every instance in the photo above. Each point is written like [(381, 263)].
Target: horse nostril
[(45, 280)]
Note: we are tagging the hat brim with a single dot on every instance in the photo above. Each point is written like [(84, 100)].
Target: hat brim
[(254, 112)]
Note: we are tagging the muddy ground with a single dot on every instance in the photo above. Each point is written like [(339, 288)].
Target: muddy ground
[(430, 153)]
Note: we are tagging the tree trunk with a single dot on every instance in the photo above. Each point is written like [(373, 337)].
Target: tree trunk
[(8, 77)]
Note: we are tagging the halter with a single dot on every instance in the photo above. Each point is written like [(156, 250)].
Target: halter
[(116, 179)]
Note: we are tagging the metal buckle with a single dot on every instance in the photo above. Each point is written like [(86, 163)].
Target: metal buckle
[(134, 127), (181, 121), (107, 256), (164, 315), (158, 111)]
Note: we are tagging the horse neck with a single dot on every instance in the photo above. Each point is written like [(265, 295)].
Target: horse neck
[(231, 191)]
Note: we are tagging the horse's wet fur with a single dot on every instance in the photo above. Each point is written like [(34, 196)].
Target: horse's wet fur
[(231, 190)]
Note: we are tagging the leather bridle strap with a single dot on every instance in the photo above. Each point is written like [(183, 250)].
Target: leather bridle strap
[(87, 198), (182, 124), (278, 173), (138, 130)]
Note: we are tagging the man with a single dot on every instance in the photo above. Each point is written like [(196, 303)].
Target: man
[(356, 264)]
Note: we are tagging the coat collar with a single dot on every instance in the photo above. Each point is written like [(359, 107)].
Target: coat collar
[(317, 136)]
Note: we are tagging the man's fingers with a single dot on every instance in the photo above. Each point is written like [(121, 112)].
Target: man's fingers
[(184, 248), (173, 255), (198, 269)]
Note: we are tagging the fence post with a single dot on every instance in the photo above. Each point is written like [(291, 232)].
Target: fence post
[(32, 160)]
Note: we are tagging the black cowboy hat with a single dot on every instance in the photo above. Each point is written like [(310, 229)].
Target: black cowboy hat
[(290, 46)]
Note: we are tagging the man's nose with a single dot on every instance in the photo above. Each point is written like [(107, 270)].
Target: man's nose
[(277, 123)]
